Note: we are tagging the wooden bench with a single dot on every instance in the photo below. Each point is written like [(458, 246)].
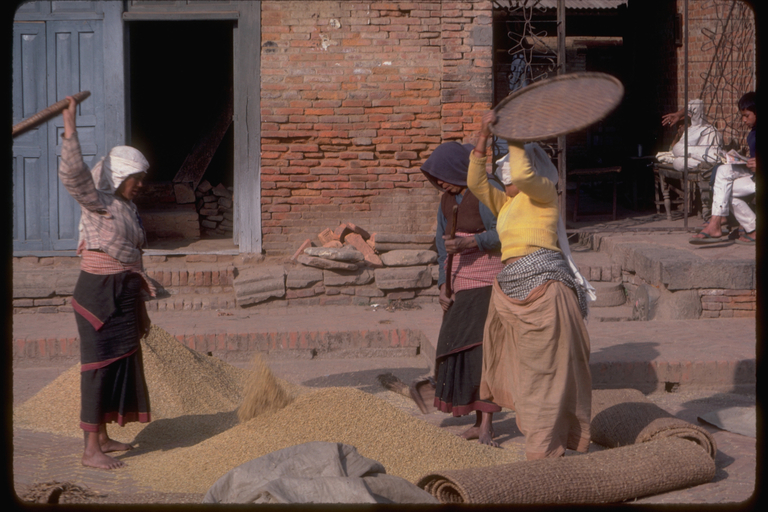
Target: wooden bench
[(594, 174)]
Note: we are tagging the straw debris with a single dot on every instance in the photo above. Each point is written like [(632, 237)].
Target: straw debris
[(262, 393)]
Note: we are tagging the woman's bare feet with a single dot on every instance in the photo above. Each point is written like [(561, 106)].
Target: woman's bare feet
[(472, 432), (96, 443), (486, 430), (114, 446), (99, 460), (108, 444)]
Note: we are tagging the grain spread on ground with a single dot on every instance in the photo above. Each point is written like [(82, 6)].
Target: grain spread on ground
[(407, 446), (181, 382), (195, 436)]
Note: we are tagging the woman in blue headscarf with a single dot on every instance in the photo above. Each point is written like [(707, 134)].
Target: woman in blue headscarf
[(476, 261)]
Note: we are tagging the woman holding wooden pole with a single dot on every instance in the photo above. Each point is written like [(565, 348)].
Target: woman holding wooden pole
[(109, 310), (469, 259)]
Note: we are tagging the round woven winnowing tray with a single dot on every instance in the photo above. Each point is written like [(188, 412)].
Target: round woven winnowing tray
[(556, 106)]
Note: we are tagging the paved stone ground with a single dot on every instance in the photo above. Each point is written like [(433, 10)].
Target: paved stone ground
[(41, 457)]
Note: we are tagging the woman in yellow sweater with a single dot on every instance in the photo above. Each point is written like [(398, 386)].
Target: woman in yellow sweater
[(535, 344)]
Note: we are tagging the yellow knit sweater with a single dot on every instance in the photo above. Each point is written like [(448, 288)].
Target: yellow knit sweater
[(527, 222)]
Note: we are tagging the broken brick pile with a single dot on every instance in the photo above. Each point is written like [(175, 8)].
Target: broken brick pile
[(216, 210), (347, 265)]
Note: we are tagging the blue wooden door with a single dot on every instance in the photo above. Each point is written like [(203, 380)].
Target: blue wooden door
[(75, 63), (30, 150), (53, 59)]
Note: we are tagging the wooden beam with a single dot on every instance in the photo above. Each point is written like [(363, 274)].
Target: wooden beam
[(197, 161)]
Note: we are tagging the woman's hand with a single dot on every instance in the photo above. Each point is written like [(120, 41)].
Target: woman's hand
[(752, 164), (69, 117), (457, 245), (445, 301), (488, 119)]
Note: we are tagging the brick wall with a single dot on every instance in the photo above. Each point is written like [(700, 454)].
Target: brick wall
[(728, 303), (355, 96)]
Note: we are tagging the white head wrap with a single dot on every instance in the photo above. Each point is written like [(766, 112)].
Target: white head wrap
[(543, 166), (111, 171), (121, 162)]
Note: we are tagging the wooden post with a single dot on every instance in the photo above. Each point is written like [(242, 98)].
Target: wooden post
[(561, 163), (685, 106)]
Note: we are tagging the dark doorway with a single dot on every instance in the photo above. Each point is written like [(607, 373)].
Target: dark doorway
[(180, 85)]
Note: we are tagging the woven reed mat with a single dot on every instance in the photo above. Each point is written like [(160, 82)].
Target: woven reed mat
[(621, 417), (608, 476), (556, 106)]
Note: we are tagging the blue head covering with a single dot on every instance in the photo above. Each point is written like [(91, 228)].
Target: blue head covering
[(449, 162)]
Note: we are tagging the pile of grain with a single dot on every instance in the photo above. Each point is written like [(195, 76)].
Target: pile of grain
[(181, 382), (263, 393), (407, 446)]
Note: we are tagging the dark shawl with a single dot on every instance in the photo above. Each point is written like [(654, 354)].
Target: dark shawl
[(449, 162)]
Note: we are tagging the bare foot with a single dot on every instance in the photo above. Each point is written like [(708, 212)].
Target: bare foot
[(101, 461), (472, 432), (487, 438), (114, 446), (486, 430)]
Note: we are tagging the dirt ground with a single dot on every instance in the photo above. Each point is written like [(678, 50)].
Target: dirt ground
[(734, 481)]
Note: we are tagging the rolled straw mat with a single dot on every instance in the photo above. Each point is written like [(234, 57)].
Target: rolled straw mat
[(556, 106), (608, 476), (621, 417)]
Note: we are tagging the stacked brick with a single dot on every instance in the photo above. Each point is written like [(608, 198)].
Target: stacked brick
[(215, 209), (728, 303), (355, 96)]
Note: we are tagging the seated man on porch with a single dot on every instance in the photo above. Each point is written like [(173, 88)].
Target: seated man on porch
[(704, 141), (734, 182)]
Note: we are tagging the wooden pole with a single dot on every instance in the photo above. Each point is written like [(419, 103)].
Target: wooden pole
[(47, 113), (685, 106), (561, 163), (449, 259)]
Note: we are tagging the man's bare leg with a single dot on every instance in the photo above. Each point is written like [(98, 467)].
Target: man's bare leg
[(93, 456), (486, 430)]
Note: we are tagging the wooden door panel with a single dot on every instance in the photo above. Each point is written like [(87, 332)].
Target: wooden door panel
[(75, 61), (30, 154)]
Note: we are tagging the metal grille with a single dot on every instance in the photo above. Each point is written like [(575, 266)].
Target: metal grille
[(729, 35)]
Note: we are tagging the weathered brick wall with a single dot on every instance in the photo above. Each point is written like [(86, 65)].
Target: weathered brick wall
[(728, 303), (355, 96), (720, 69)]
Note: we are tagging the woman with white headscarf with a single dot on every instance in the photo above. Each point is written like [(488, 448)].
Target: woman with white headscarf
[(535, 344), (109, 311)]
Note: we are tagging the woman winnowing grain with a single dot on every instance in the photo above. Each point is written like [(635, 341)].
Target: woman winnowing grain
[(476, 260), (535, 344), (109, 311)]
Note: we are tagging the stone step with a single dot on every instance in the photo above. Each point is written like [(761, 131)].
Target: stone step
[(611, 314), (192, 301), (609, 295), (595, 266)]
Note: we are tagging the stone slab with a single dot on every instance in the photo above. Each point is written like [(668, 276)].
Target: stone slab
[(325, 264), (393, 278), (302, 277), (405, 258), (345, 253), (357, 277)]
